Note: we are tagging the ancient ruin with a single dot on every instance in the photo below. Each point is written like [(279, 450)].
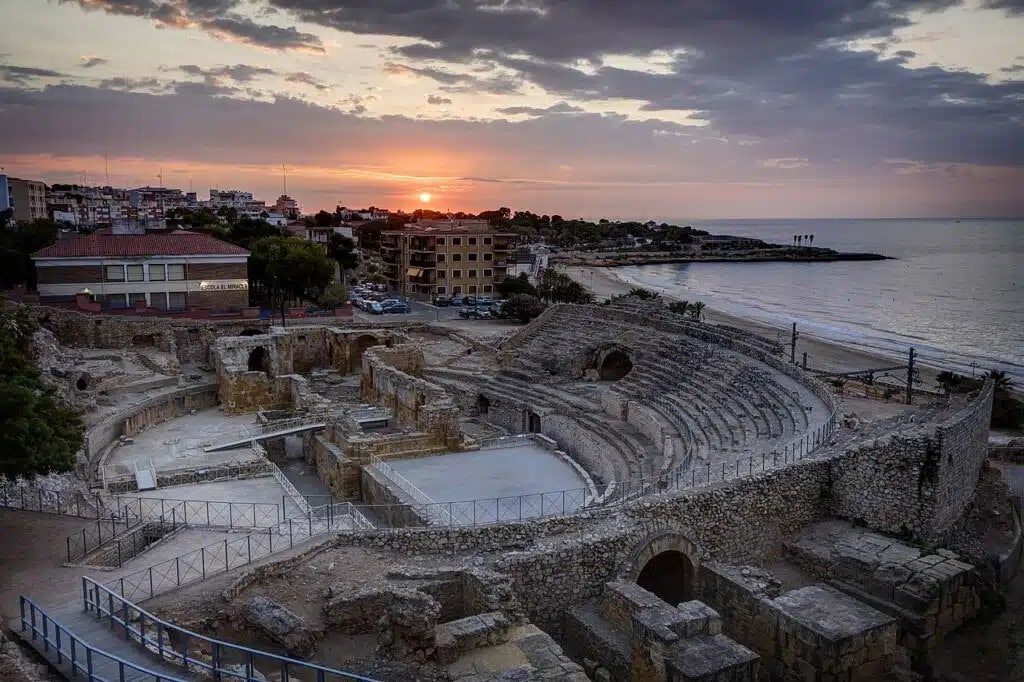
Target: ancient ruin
[(610, 492)]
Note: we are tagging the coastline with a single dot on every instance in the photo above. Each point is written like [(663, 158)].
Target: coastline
[(622, 260), (822, 354)]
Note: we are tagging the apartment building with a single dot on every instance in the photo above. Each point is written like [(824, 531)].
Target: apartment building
[(171, 270), (26, 197), (445, 257)]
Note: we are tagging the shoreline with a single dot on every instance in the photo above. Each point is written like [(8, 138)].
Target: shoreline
[(623, 260), (822, 354)]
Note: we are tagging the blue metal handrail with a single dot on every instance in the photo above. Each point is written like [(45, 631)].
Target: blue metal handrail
[(57, 636), (224, 661)]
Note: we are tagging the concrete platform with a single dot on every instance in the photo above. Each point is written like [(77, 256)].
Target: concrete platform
[(485, 474), (179, 443)]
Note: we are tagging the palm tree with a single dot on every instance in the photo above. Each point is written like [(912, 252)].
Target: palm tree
[(949, 381), (794, 240), (679, 307), (812, 240), (799, 239), (1000, 379), (697, 310)]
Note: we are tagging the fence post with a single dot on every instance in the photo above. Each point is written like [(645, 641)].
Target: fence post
[(248, 546), (39, 492), (68, 538), (231, 517), (177, 570), (120, 563)]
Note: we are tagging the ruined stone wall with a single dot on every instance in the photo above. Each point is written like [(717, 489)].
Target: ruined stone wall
[(188, 340), (338, 472), (415, 402), (134, 418), (579, 443), (963, 447)]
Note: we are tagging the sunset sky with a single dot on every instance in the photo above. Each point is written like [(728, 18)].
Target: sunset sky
[(593, 108)]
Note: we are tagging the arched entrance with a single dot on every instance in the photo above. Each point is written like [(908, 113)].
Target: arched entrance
[(251, 332), (359, 346), (482, 405), (668, 575), (532, 422), (259, 360), (614, 366)]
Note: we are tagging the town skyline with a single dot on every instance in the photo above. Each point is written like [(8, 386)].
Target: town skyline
[(906, 109)]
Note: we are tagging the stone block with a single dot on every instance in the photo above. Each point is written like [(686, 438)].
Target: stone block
[(711, 657), (456, 637)]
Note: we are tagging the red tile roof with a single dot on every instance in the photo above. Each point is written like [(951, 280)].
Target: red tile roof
[(178, 243)]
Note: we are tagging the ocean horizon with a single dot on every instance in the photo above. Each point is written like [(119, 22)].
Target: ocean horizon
[(954, 291)]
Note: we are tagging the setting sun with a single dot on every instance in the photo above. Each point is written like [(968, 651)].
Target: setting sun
[(425, 197)]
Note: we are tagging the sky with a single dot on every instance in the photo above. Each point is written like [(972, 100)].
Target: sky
[(582, 108)]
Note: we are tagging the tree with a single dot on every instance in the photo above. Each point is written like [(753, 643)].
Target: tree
[(323, 219), (17, 247), (510, 286), (38, 434), (643, 294), (334, 296), (522, 307), (950, 382), (283, 267), (247, 231), (1007, 411), (679, 307), (811, 236), (343, 250), (697, 310)]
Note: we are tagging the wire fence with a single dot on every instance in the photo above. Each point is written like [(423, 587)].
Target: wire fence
[(39, 499), (95, 535), (214, 514), (195, 653)]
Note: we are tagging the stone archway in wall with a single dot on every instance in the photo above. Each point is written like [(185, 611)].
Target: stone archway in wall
[(532, 422), (359, 346), (666, 564), (483, 404), (614, 365), (259, 360)]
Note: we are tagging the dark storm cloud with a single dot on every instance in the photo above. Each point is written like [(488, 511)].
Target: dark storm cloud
[(213, 16), (1012, 7), (458, 82), (23, 75), (559, 108)]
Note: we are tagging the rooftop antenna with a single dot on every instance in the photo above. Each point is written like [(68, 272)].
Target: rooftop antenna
[(160, 177), (284, 180), (106, 170)]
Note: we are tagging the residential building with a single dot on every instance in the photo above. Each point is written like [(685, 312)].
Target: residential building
[(445, 257), (27, 198), (287, 206), (242, 202), (5, 196), (130, 266)]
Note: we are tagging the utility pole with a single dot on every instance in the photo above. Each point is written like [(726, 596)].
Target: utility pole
[(792, 346), (284, 180), (910, 378)]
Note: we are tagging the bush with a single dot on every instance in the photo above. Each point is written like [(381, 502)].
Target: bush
[(522, 307), (334, 296)]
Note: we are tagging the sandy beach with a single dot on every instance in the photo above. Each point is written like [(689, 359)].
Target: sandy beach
[(821, 354)]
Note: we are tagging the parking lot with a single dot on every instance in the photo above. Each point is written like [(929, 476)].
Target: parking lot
[(421, 312)]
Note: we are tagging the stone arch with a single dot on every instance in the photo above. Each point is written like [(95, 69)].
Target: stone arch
[(82, 383), (532, 422), (614, 365), (665, 563), (259, 360), (251, 332), (359, 346), (483, 404), (143, 341)]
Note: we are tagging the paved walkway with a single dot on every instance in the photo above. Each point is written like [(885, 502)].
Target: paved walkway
[(124, 661)]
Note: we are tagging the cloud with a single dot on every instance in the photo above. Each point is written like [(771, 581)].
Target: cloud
[(1014, 8), (24, 75), (502, 84), (89, 61), (240, 73), (437, 99), (304, 78), (218, 17), (131, 84), (559, 108)]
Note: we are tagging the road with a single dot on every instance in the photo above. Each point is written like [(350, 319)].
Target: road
[(421, 312)]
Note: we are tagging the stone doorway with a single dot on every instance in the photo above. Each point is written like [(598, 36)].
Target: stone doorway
[(259, 360), (668, 575), (614, 366), (532, 422), (482, 405)]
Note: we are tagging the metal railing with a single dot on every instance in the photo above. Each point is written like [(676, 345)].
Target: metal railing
[(31, 498), (424, 505), (272, 426), (275, 470), (82, 658), (231, 553), (95, 535), (507, 441), (215, 514), (194, 652)]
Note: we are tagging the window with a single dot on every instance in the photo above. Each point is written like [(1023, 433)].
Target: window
[(440, 274), (472, 274), (440, 290), (158, 300), (488, 256), (456, 274), (116, 301), (456, 290), (136, 298), (157, 273), (440, 241), (472, 241), (487, 240), (456, 257), (176, 273), (456, 241), (176, 299), (472, 288), (488, 273), (115, 273), (136, 273), (487, 288), (440, 258), (472, 256)]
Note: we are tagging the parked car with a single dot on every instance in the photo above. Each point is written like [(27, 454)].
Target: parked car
[(375, 308), (469, 300), (455, 300), (474, 313), (392, 306), (441, 301)]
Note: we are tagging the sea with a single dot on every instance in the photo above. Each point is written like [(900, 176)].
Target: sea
[(954, 291)]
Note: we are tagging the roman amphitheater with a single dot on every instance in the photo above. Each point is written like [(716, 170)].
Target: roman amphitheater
[(610, 492)]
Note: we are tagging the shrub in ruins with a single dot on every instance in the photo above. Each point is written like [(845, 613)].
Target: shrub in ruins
[(38, 434), (522, 307)]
